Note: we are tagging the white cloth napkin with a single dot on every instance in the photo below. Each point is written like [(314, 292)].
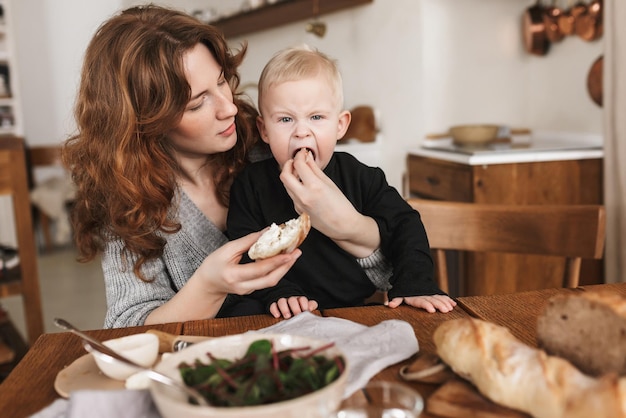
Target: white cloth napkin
[(368, 350), (102, 404)]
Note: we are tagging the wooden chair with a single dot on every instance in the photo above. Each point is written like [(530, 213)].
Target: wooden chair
[(570, 231), (12, 345), (39, 156), (14, 182)]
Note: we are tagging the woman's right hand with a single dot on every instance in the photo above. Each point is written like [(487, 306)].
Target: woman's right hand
[(219, 274), (222, 272)]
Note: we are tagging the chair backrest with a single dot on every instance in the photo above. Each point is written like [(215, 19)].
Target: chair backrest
[(570, 231), (44, 157), (13, 182)]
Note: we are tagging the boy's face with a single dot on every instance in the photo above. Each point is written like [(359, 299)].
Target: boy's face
[(302, 114)]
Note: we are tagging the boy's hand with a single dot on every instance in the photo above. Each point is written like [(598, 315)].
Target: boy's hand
[(287, 307), (314, 193), (331, 213), (432, 303)]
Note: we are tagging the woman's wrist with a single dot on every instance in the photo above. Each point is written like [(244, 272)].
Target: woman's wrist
[(192, 302)]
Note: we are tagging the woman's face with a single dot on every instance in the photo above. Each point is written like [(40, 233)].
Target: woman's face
[(208, 123)]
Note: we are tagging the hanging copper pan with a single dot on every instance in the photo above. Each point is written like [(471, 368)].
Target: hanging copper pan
[(567, 20), (594, 80), (551, 16), (589, 26), (534, 30)]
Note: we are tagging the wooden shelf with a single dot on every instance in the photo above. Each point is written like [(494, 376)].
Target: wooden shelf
[(278, 14)]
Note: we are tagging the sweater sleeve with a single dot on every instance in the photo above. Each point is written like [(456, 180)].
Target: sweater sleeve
[(129, 299), (377, 269)]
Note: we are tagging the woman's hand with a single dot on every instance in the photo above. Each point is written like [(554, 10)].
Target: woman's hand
[(223, 273), (219, 274), (287, 307), (331, 212)]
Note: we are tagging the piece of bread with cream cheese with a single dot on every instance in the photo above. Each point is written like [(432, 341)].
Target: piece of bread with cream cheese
[(283, 238)]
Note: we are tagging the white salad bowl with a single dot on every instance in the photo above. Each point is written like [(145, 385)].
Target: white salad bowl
[(172, 403)]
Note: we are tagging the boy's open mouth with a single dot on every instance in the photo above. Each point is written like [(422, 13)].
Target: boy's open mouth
[(306, 150)]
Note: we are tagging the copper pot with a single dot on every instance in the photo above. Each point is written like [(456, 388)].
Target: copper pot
[(551, 16), (589, 26), (567, 19), (534, 31)]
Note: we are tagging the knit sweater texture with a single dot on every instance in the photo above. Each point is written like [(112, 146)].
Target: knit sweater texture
[(129, 299)]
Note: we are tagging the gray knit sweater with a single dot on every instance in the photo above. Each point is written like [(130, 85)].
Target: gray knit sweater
[(130, 300)]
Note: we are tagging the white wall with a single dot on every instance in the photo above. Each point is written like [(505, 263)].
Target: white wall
[(51, 37), (423, 64), (479, 71)]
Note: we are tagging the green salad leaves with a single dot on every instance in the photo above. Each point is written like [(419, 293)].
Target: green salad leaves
[(263, 375)]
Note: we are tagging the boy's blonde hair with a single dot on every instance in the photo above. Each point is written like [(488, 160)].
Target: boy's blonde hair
[(297, 63)]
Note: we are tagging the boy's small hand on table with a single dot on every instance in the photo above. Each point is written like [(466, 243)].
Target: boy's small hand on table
[(288, 307), (430, 303)]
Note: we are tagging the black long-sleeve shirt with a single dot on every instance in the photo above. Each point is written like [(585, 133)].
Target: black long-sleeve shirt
[(325, 272)]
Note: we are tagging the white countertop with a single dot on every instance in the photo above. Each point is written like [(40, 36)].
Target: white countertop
[(547, 146)]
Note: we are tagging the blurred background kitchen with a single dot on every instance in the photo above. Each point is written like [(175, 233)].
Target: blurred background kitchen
[(421, 65)]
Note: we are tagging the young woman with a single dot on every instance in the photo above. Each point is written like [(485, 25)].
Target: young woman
[(160, 136)]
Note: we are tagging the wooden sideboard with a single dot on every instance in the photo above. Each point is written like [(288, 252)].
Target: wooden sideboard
[(546, 182)]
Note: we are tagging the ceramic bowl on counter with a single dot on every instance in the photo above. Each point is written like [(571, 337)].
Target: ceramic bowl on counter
[(172, 403), (474, 135)]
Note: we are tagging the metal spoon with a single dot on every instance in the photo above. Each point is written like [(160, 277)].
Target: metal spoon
[(107, 354)]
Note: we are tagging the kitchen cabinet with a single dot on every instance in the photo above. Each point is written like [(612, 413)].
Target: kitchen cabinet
[(563, 181)]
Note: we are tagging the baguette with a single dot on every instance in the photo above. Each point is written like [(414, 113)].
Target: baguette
[(587, 329), (283, 238), (515, 375)]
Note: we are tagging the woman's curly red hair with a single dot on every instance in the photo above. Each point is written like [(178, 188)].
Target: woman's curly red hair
[(133, 91)]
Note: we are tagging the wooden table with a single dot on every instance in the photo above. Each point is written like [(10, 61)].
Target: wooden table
[(519, 311), (30, 387)]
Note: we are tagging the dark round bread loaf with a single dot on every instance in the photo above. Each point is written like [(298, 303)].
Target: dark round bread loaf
[(588, 329)]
